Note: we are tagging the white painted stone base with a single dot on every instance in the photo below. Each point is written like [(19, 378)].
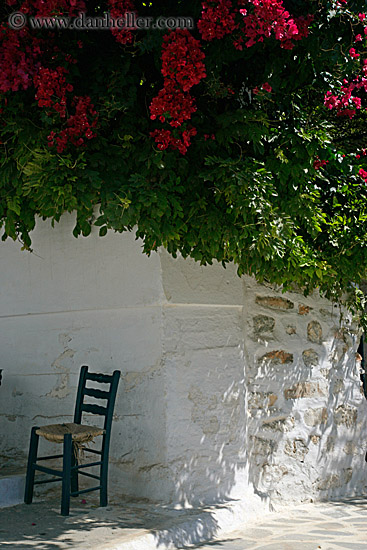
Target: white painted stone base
[(11, 490)]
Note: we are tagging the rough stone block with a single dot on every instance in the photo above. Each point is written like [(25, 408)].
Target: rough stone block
[(314, 332), (279, 424), (263, 323), (277, 357), (261, 446), (350, 448), (330, 482), (305, 389), (338, 385), (303, 310), (315, 417), (346, 416), (272, 398), (347, 474), (310, 357), (273, 473), (344, 334), (261, 400), (296, 449), (274, 302)]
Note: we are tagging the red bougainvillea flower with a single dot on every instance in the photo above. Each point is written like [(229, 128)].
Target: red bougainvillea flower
[(217, 20), (20, 53), (182, 59), (172, 105), (78, 126), (118, 9), (165, 139), (319, 163), (353, 53), (51, 89), (24, 59), (270, 17), (264, 18), (363, 174), (182, 68), (44, 8)]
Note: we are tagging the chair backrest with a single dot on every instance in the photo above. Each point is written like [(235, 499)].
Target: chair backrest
[(109, 396)]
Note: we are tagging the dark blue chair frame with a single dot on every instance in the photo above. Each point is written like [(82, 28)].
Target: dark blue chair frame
[(69, 473)]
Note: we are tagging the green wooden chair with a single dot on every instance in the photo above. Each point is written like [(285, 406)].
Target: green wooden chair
[(73, 435)]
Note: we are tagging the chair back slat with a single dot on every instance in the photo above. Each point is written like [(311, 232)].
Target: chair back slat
[(107, 395), (98, 394), (102, 378), (94, 409)]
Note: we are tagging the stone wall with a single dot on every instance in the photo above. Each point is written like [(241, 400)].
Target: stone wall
[(307, 413), (229, 389)]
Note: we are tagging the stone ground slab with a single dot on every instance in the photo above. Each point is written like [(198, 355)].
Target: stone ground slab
[(139, 525), (335, 525)]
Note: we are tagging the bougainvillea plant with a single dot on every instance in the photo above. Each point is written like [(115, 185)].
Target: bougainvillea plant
[(241, 138)]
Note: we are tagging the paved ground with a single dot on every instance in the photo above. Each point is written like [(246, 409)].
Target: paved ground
[(340, 525)]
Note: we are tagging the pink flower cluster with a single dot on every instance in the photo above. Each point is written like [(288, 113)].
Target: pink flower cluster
[(270, 16), (182, 68), (363, 174), (346, 103), (260, 20), (266, 87)]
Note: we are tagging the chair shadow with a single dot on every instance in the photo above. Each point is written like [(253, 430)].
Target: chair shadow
[(40, 525)]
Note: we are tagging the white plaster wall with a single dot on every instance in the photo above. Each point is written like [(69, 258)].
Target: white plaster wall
[(205, 409), (206, 386), (82, 301)]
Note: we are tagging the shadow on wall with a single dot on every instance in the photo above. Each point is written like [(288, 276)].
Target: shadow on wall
[(277, 412), (206, 404)]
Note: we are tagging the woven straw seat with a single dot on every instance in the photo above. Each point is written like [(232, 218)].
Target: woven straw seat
[(80, 433)]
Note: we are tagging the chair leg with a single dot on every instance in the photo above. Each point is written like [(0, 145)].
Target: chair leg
[(103, 500), (74, 473), (32, 458), (66, 475)]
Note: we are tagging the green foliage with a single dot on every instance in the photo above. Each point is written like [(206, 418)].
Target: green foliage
[(251, 196)]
